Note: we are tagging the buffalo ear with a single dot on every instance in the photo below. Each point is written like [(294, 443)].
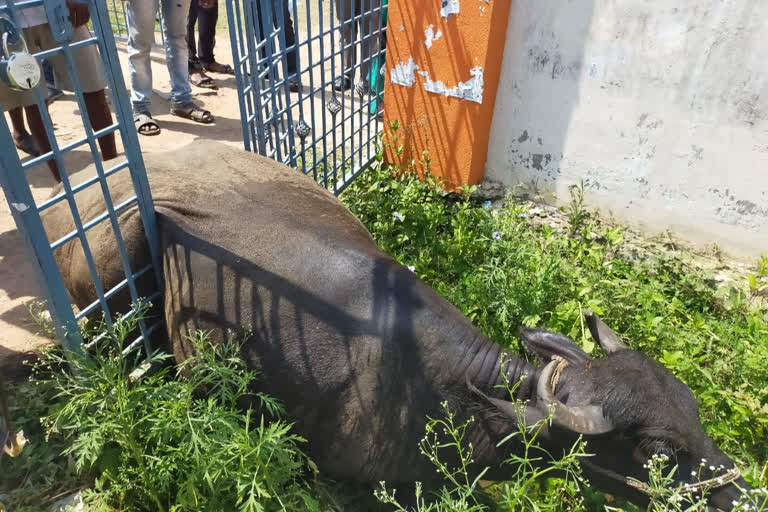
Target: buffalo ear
[(547, 344), (604, 335)]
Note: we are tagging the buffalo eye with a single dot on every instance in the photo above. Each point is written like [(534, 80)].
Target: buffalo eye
[(651, 446)]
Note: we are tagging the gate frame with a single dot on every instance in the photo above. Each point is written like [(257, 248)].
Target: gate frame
[(253, 91), (25, 211)]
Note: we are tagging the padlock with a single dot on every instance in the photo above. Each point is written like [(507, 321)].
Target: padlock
[(18, 68)]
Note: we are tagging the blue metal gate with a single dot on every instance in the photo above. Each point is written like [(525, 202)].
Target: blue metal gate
[(118, 17), (16, 186), (328, 133)]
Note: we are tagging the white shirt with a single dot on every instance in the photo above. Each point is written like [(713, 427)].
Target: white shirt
[(30, 16)]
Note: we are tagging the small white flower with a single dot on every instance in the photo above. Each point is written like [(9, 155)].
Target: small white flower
[(496, 235), (711, 468), (397, 216), (411, 268)]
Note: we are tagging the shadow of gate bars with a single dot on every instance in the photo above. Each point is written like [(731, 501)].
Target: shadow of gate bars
[(328, 133), (16, 178)]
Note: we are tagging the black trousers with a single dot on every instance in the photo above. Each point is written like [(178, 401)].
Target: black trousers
[(290, 36), (366, 26), (206, 26)]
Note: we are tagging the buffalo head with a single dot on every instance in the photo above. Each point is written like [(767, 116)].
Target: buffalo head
[(629, 408)]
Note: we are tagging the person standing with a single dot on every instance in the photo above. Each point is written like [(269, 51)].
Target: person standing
[(87, 63), (291, 55), (204, 14), (357, 17), (141, 35)]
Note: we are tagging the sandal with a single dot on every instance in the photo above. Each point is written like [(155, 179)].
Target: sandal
[(28, 144), (191, 111), (217, 67), (145, 125), (205, 82)]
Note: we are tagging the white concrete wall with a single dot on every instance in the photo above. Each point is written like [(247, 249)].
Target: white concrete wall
[(661, 107)]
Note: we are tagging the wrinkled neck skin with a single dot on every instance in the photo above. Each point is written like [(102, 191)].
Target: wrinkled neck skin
[(495, 372)]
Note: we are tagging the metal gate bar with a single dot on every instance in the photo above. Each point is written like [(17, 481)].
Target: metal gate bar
[(278, 123), (118, 18), (13, 178)]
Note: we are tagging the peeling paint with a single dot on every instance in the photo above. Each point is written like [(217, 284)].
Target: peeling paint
[(471, 90), (403, 74), (739, 212), (20, 207), (431, 36), (449, 8)]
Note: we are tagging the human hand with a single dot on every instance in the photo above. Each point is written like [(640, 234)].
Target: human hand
[(78, 12)]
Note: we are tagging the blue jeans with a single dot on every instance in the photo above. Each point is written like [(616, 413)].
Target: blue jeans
[(141, 36)]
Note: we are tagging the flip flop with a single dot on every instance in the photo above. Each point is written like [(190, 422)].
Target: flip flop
[(224, 69), (28, 145), (192, 112), (145, 125), (205, 82)]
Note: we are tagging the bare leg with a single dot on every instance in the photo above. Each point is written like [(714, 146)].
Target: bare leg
[(37, 128), (101, 117), (21, 137), (17, 120)]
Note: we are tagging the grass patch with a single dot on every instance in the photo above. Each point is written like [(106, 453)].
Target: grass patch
[(155, 441), (502, 271)]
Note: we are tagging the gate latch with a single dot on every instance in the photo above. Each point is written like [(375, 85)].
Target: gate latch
[(18, 68)]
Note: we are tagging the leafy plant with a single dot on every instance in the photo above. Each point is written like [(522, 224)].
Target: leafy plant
[(162, 442), (41, 317), (40, 474), (577, 213)]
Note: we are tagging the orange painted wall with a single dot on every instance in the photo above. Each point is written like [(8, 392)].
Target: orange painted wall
[(453, 131)]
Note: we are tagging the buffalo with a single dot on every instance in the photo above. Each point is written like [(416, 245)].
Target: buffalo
[(359, 349)]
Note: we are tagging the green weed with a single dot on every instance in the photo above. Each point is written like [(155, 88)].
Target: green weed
[(160, 442)]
